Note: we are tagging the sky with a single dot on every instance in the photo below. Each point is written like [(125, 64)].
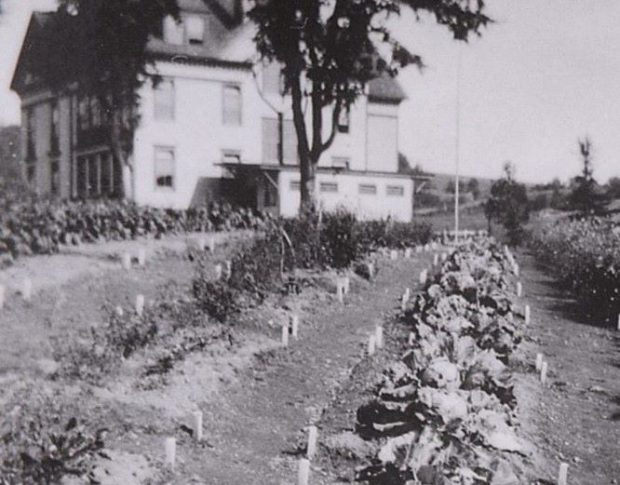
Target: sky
[(545, 74)]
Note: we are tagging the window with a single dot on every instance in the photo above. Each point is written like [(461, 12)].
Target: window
[(368, 189), (328, 187), (54, 126), (195, 27), (164, 168), (164, 97), (31, 134), (343, 121), (395, 190), (273, 81), (341, 162), (54, 178), (173, 31), (105, 171), (232, 105), (231, 156), (84, 113), (295, 185), (271, 140)]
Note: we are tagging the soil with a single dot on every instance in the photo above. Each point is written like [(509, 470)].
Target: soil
[(257, 396)]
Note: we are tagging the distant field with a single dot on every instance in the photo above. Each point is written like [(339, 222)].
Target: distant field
[(473, 219)]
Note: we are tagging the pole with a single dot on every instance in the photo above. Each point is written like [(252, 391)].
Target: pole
[(457, 142)]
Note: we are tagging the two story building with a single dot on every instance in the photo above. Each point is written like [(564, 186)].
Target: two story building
[(217, 127)]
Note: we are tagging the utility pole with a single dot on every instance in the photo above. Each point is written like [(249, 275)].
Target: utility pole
[(457, 142)]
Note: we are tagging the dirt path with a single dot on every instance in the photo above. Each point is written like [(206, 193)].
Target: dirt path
[(253, 428), (576, 419)]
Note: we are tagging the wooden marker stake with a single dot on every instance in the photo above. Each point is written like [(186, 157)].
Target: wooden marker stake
[(423, 276), (212, 244), (312, 439), (126, 261), (408, 253), (618, 322), (202, 243), (142, 257), (543, 373), (516, 269), (372, 344), (563, 474), (218, 272), (303, 474), (347, 285), (435, 259), (140, 305), (379, 337), (284, 335), (519, 289), (444, 256), (171, 452), (27, 289), (528, 315), (411, 338), (340, 291), (119, 311), (539, 362), (295, 326), (2, 296), (228, 269), (393, 255), (197, 426), (418, 249)]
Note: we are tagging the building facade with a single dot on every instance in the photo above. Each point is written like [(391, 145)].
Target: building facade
[(211, 130)]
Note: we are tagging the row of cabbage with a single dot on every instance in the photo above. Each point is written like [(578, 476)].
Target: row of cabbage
[(33, 227), (444, 412), (584, 256)]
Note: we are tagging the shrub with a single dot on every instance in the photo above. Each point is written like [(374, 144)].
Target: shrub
[(216, 298)]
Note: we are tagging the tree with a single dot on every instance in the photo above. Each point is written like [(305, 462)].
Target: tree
[(508, 205), (613, 188), (586, 196), (473, 186), (328, 50), (100, 45)]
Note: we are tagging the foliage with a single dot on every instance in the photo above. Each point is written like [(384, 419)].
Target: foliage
[(101, 45), (41, 445), (217, 298), (586, 196), (40, 227), (508, 205), (613, 188), (442, 413), (585, 256), (334, 45)]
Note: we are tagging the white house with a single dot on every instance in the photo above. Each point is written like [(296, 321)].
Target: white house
[(210, 130)]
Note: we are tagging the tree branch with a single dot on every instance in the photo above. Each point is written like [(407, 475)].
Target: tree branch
[(332, 136)]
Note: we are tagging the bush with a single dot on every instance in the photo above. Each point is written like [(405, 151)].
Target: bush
[(217, 298)]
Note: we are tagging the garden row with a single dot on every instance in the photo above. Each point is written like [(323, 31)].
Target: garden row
[(585, 257), (41, 227), (443, 413)]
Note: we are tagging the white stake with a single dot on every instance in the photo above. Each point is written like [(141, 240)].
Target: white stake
[(539, 362), (142, 257), (2, 296), (435, 260), (444, 256), (408, 253), (140, 305), (228, 269), (393, 254), (119, 311), (171, 451), (423, 276), (202, 243), (197, 425), (519, 289), (411, 338), (347, 285), (218, 272), (303, 475), (418, 249), (27, 289), (295, 326), (340, 291), (427, 248), (516, 269), (618, 322), (312, 439), (284, 335), (379, 337), (126, 261), (563, 474), (371, 269), (543, 373), (434, 246), (212, 244), (527, 314), (372, 343)]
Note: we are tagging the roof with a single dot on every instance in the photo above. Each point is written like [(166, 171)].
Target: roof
[(385, 89)]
